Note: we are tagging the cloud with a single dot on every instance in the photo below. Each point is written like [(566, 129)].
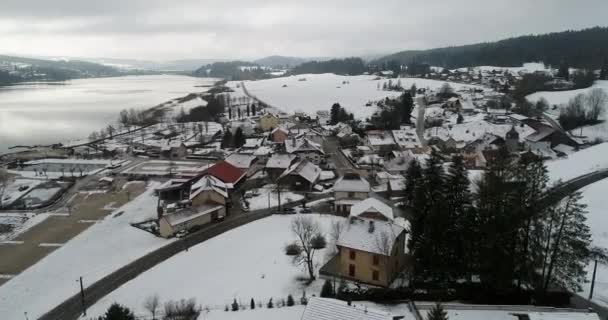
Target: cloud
[(155, 29)]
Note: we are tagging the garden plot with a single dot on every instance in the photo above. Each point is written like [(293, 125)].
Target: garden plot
[(107, 245), (244, 263), (267, 197), (55, 168)]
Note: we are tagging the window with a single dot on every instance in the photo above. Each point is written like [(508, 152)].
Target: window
[(353, 255), (351, 270), (375, 275), (376, 260)]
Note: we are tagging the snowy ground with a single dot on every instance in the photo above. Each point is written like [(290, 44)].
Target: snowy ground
[(20, 223), (597, 219), (579, 163), (101, 249), (267, 197), (320, 91), (248, 262), (12, 193), (471, 131)]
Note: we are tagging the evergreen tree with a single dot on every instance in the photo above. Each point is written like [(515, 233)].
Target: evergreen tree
[(239, 138), (406, 104), (118, 312), (335, 113), (327, 291), (290, 301), (567, 246), (604, 70), (461, 217), (413, 176), (252, 304), (227, 140), (270, 305), (235, 305), (413, 90), (437, 313), (564, 71)]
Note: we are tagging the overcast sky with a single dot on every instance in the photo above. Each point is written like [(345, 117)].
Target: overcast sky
[(180, 29)]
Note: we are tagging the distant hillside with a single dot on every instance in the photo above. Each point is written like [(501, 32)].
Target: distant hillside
[(232, 70), (586, 48), (280, 61), (19, 69), (346, 66)]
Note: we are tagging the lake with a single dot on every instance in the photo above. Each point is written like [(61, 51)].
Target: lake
[(46, 113)]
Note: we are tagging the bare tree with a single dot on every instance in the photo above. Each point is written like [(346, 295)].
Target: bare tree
[(310, 239), (596, 103), (110, 129), (151, 304)]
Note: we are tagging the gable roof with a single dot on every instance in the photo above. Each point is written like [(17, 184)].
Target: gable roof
[(330, 309), (226, 172), (208, 183), (305, 169), (241, 161), (302, 145), (346, 184), (372, 205), (379, 239), (188, 214), (280, 161)]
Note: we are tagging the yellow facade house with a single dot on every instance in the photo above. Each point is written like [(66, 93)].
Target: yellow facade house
[(268, 122)]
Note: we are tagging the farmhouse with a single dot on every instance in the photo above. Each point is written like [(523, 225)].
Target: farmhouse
[(227, 173), (381, 141), (173, 150), (305, 149), (278, 163), (245, 162), (301, 176), (279, 135)]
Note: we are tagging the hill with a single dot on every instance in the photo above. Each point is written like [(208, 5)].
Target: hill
[(280, 61), (586, 48)]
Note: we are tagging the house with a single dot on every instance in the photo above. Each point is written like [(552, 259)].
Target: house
[(552, 136), (310, 134), (187, 218), (323, 117), (305, 149), (370, 250), (268, 122), (381, 141), (407, 139), (349, 190), (331, 309), (245, 162), (279, 135), (173, 150), (208, 190), (302, 175), (278, 163), (396, 187), (372, 208), (227, 173)]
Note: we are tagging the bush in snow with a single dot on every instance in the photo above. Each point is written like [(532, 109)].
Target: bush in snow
[(270, 305), (182, 310), (293, 249), (318, 241), (252, 304), (290, 301), (327, 291), (303, 300), (118, 312), (235, 305)]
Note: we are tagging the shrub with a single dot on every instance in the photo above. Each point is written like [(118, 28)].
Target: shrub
[(270, 305), (318, 241), (182, 310), (290, 301), (118, 312), (293, 249), (235, 305), (327, 291), (252, 304)]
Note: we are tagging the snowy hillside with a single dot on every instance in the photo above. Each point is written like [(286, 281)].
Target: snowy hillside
[(579, 163), (248, 262)]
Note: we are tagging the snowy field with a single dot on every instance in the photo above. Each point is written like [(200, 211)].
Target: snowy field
[(248, 262), (19, 223), (579, 163), (267, 197), (107, 246), (320, 91), (597, 219)]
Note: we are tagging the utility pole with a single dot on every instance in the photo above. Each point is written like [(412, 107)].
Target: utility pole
[(84, 307), (593, 279)]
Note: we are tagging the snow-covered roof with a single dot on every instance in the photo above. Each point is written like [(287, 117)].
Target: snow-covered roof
[(471, 131), (209, 183), (262, 151), (286, 131), (370, 235), (241, 161), (346, 184), (305, 169), (407, 139), (190, 213), (280, 161), (397, 184), (381, 139), (302, 145), (563, 316), (330, 309), (372, 205), (253, 142), (541, 134)]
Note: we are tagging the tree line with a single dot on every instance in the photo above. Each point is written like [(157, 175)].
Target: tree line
[(583, 109), (502, 235), (346, 66)]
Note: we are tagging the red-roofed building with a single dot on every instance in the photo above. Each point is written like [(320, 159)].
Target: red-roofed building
[(227, 173)]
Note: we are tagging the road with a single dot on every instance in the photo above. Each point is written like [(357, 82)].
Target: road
[(332, 148), (72, 308)]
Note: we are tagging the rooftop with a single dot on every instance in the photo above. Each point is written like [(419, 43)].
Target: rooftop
[(330, 309), (370, 235)]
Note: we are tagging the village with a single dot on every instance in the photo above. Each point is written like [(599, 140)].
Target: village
[(344, 179)]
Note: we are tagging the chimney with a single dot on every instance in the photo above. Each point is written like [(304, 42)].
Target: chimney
[(371, 226)]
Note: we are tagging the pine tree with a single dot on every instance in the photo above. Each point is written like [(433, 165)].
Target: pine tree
[(437, 313), (406, 104), (227, 140), (270, 305), (252, 304), (564, 71), (412, 178), (567, 246), (239, 138), (335, 114), (118, 312), (327, 291), (460, 119), (290, 301), (235, 305), (604, 70)]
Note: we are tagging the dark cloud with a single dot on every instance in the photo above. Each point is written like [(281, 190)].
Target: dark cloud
[(156, 29)]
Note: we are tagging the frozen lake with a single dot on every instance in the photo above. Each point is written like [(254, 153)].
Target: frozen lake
[(53, 112)]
